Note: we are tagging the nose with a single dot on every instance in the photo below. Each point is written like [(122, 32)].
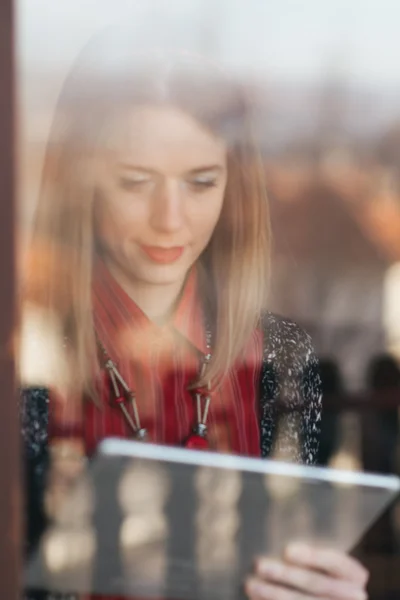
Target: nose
[(167, 214)]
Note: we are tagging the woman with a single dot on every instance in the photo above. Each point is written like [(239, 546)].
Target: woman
[(150, 269)]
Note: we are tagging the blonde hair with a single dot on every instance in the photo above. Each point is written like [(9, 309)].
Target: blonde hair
[(237, 259)]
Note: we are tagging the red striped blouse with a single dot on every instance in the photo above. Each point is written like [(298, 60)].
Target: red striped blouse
[(159, 363)]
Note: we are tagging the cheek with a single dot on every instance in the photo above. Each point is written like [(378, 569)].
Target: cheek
[(115, 220), (206, 218)]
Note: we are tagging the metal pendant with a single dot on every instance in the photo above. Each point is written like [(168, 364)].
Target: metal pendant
[(198, 439), (141, 434)]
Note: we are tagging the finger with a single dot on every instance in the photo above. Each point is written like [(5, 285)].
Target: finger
[(256, 589), (333, 562), (308, 581)]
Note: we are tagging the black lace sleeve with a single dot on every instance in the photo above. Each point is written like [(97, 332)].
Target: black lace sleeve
[(34, 411), (34, 426), (290, 393)]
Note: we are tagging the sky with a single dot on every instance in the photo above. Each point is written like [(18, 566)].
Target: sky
[(289, 40)]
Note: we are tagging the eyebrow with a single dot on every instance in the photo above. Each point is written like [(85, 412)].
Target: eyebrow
[(218, 168), (131, 167)]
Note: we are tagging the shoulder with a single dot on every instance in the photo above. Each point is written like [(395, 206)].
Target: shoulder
[(290, 390), (285, 341), (289, 352)]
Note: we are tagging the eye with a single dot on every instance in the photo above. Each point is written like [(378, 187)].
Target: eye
[(200, 184), (131, 183)]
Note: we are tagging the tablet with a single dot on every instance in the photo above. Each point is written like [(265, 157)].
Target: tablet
[(149, 521)]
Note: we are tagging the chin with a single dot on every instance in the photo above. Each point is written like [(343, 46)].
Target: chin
[(164, 274)]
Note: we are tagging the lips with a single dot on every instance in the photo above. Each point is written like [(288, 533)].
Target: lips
[(163, 255)]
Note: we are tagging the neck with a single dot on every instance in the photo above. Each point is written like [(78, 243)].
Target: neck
[(157, 301)]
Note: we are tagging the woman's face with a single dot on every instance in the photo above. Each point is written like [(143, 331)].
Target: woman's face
[(161, 193)]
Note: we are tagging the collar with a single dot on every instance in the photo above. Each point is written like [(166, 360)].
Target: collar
[(114, 310)]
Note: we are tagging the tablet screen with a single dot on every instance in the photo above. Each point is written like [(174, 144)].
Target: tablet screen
[(158, 522)]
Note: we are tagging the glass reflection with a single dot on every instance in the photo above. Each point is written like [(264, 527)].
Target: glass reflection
[(66, 549), (144, 486), (217, 519), (143, 535), (144, 528)]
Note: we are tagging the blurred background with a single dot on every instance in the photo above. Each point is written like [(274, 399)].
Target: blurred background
[(324, 78)]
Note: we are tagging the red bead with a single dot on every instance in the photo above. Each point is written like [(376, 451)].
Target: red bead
[(197, 442), (119, 399)]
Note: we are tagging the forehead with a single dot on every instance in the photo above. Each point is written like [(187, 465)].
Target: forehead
[(166, 139)]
